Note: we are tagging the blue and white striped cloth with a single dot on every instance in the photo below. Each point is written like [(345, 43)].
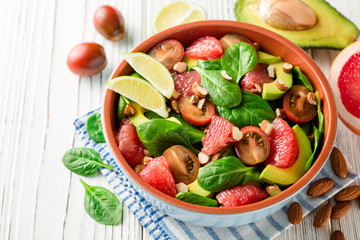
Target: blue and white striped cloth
[(162, 226)]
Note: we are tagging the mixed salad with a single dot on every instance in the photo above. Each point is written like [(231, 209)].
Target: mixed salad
[(233, 124)]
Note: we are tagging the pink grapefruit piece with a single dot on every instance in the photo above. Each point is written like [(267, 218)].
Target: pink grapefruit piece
[(344, 80)]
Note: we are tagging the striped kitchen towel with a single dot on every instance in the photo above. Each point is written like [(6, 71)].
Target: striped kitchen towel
[(162, 226)]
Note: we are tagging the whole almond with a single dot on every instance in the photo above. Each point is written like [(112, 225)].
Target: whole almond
[(340, 209), (295, 213), (338, 163), (337, 235), (322, 216), (348, 194), (319, 187)]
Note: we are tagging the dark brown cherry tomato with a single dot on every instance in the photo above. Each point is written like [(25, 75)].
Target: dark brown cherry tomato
[(296, 106), (184, 165), (254, 147), (87, 59), (168, 52), (193, 115), (109, 22)]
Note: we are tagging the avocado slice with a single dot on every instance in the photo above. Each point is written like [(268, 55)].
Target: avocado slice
[(332, 29), (266, 58), (288, 176), (191, 62), (139, 116), (270, 90), (194, 187)]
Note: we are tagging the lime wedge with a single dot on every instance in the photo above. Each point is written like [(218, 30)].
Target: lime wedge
[(153, 71), (177, 13), (140, 92)]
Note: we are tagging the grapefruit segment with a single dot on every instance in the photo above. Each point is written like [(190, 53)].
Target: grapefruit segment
[(344, 80), (241, 195)]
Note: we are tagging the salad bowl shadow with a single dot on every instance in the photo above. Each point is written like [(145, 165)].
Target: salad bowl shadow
[(225, 216)]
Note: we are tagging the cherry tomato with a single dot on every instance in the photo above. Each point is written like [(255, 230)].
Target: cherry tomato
[(109, 22), (296, 106), (168, 52), (184, 165), (87, 59), (205, 48), (193, 115), (254, 147)]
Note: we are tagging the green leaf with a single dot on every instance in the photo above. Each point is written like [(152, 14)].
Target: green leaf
[(239, 59), (300, 78), (252, 110), (222, 174), (221, 92), (121, 107), (318, 133), (252, 175), (83, 161), (157, 135), (94, 128), (197, 199), (214, 64), (102, 205)]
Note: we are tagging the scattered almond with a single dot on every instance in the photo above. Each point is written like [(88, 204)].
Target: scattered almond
[(279, 112), (201, 103), (181, 187), (337, 235), (225, 75), (215, 157), (129, 110), (287, 67), (266, 127), (180, 67), (295, 213), (271, 71), (340, 209), (258, 87), (311, 98), (203, 158), (146, 160), (175, 106), (175, 95), (281, 85), (256, 46), (237, 135), (273, 190), (198, 90), (138, 168), (319, 187), (338, 163), (348, 194), (147, 153), (194, 99), (322, 216)]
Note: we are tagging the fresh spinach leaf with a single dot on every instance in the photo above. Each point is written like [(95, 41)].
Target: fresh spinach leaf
[(214, 64), (221, 92), (121, 107), (195, 134), (222, 174), (83, 161), (102, 205), (318, 133), (300, 78), (252, 110), (252, 175), (239, 59), (197, 199), (94, 128), (157, 135)]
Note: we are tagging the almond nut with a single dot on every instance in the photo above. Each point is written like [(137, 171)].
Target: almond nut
[(180, 67), (337, 235), (175, 106), (348, 194), (181, 187), (146, 160), (138, 168), (194, 99), (295, 213), (281, 85), (256, 46), (338, 163), (175, 95), (215, 157), (322, 216), (258, 87), (319, 187), (279, 112), (271, 71), (273, 190), (340, 209), (147, 153), (237, 135), (198, 90), (129, 110), (203, 158), (311, 98), (225, 75), (287, 67), (266, 127)]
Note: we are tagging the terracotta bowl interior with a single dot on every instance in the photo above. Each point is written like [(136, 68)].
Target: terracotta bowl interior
[(269, 42)]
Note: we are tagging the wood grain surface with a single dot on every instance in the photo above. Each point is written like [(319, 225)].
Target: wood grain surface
[(40, 98)]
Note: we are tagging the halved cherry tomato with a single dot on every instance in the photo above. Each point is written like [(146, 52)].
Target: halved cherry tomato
[(184, 165), (296, 106), (168, 52), (205, 48), (193, 115), (254, 147)]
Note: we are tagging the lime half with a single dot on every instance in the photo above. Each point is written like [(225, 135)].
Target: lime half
[(140, 92), (153, 71)]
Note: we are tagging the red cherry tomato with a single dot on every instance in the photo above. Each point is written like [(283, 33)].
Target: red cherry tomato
[(205, 48), (168, 52), (296, 106), (87, 59), (193, 115), (254, 147), (109, 22)]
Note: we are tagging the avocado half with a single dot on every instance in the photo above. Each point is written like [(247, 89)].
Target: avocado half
[(332, 29)]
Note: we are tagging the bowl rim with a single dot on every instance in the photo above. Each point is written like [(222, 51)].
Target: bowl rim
[(290, 191)]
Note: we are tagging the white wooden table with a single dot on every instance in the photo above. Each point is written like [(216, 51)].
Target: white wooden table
[(40, 98)]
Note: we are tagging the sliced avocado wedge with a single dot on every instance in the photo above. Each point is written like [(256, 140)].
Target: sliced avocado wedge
[(332, 29), (191, 62), (139, 117), (288, 176), (266, 58), (194, 187), (270, 90)]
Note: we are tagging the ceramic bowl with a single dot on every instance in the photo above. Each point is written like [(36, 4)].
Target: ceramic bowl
[(226, 216)]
